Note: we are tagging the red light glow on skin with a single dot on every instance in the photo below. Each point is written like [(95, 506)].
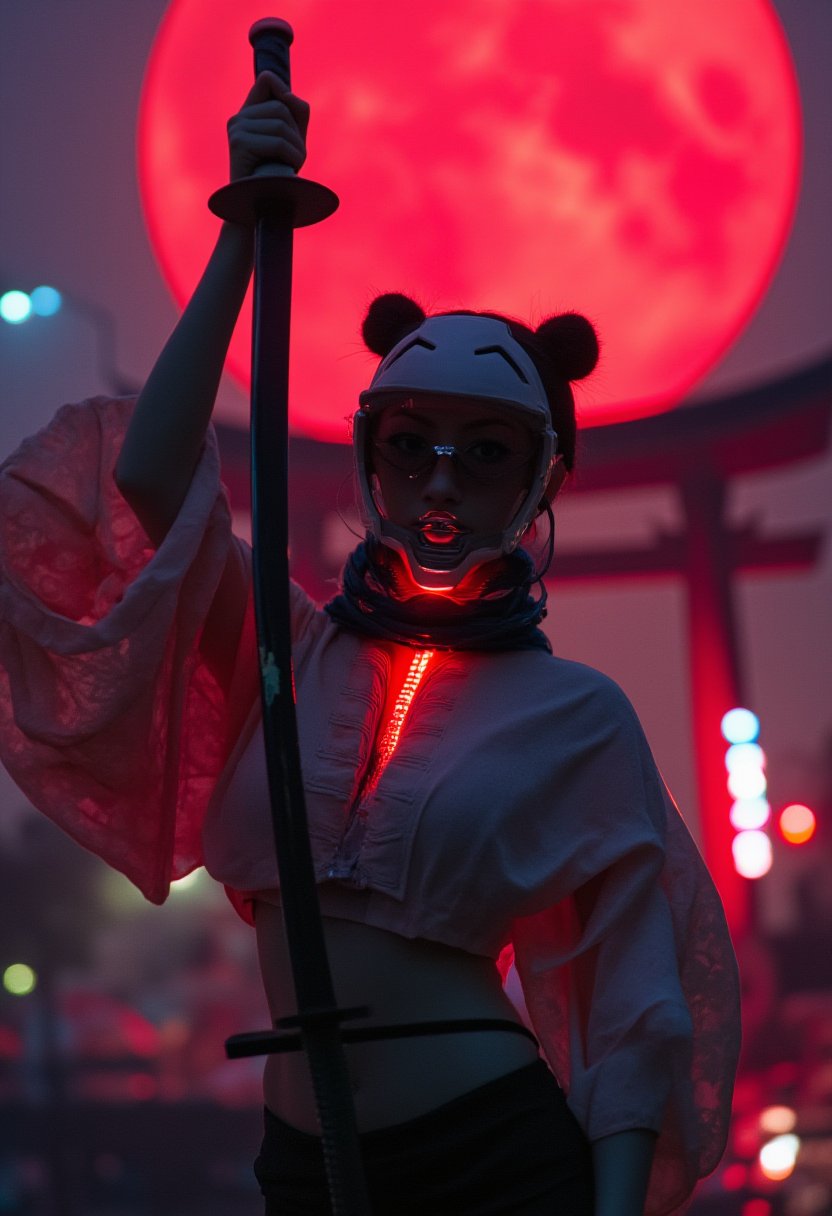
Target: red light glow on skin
[(637, 161)]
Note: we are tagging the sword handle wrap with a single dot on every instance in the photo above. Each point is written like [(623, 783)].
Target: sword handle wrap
[(271, 39), (273, 186)]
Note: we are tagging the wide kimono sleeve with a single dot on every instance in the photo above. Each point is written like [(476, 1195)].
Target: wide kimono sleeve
[(631, 982), (112, 722)]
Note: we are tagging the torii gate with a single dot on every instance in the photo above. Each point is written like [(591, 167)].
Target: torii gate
[(697, 450)]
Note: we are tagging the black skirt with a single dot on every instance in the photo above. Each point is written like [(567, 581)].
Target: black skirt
[(511, 1146)]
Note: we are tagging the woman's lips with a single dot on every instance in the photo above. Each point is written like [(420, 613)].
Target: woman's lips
[(440, 528)]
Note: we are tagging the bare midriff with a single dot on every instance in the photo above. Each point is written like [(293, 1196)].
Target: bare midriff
[(401, 981)]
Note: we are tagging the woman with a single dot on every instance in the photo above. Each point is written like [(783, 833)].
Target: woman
[(466, 790)]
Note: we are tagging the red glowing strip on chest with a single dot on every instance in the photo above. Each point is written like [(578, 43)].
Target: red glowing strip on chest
[(389, 738)]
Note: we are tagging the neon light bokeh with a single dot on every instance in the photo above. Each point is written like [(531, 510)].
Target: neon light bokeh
[(797, 823), (740, 726), (749, 814), (744, 755), (637, 161), (752, 854)]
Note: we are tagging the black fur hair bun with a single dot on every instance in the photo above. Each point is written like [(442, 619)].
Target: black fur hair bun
[(571, 343), (388, 319)]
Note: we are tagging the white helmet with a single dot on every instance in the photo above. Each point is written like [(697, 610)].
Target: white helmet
[(461, 356)]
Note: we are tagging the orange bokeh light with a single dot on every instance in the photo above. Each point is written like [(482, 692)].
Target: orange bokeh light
[(797, 823), (636, 162)]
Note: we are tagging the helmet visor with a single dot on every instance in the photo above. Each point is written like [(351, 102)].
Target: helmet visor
[(482, 460)]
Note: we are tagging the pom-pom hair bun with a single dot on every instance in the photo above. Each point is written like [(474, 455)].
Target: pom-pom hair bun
[(388, 319), (571, 343)]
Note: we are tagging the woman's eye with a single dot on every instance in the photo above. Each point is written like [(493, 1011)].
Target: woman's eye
[(406, 442), (488, 451)]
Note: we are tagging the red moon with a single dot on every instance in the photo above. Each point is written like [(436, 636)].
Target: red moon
[(635, 160)]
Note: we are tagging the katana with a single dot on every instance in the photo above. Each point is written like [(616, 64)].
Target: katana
[(275, 201)]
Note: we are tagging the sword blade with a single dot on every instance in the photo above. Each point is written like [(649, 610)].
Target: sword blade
[(270, 534)]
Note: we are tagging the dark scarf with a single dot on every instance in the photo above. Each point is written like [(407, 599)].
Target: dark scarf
[(376, 601)]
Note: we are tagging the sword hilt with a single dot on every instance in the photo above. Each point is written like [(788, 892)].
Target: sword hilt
[(271, 38), (273, 188)]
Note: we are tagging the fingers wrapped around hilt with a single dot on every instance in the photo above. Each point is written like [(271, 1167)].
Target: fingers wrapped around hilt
[(273, 190), (268, 134)]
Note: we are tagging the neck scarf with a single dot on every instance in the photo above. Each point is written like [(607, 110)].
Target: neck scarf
[(501, 614)]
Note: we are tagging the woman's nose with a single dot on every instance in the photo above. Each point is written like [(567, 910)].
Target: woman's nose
[(442, 484)]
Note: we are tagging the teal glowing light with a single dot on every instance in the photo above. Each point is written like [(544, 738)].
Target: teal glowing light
[(744, 755), (46, 301), (15, 307), (740, 726)]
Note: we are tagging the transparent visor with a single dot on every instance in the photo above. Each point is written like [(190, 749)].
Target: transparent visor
[(483, 459)]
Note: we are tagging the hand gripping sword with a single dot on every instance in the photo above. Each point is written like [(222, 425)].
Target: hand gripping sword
[(276, 201)]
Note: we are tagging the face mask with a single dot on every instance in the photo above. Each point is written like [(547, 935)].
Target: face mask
[(455, 356)]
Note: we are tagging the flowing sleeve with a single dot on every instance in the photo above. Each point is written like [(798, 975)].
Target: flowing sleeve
[(631, 982), (111, 720)]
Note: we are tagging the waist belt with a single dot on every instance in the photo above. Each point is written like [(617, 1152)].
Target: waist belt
[(287, 1037)]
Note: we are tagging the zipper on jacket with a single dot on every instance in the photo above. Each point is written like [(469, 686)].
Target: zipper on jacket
[(387, 742)]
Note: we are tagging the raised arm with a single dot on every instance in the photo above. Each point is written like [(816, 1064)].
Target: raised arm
[(167, 431)]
